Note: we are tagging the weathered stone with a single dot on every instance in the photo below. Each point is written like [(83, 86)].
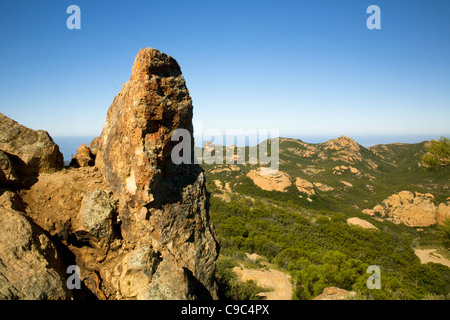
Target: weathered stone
[(361, 223), (135, 272), (30, 151), (348, 184), (93, 146), (370, 212), (269, 180), (98, 215), (10, 199), (304, 186), (379, 208), (334, 293), (345, 149), (83, 158), (412, 209), (406, 196), (30, 266), (7, 172), (341, 169), (443, 212), (160, 204), (323, 187)]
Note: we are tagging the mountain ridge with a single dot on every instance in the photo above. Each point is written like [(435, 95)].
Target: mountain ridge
[(331, 169)]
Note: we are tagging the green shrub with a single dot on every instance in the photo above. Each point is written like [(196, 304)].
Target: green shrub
[(230, 287), (438, 153)]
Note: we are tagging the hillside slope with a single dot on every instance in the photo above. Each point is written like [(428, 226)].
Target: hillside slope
[(297, 217)]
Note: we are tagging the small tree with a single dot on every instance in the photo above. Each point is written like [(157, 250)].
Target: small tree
[(438, 154)]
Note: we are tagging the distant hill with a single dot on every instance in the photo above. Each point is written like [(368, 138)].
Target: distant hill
[(343, 173), (336, 201)]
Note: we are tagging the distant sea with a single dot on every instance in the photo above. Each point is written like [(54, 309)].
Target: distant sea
[(69, 145)]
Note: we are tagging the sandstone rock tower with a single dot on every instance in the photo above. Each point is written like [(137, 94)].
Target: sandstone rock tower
[(135, 224), (163, 207)]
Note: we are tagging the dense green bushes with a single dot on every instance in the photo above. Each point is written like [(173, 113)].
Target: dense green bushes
[(321, 250), (444, 232), (336, 270), (438, 154)]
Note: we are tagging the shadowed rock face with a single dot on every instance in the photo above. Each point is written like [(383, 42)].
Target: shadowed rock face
[(30, 266), (7, 172), (30, 151), (161, 204)]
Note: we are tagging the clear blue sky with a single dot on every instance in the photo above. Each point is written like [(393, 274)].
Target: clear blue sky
[(304, 67)]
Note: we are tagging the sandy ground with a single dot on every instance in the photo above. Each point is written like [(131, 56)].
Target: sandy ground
[(431, 255), (361, 223), (268, 278)]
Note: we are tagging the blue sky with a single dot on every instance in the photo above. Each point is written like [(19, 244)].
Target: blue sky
[(307, 68)]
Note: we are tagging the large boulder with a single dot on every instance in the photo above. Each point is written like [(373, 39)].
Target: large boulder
[(161, 204), (30, 151), (97, 215), (443, 212), (7, 172), (304, 186), (83, 158), (412, 209), (269, 179), (135, 272), (30, 266)]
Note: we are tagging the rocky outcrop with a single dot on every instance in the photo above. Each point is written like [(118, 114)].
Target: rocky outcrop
[(323, 187), (162, 206), (98, 215), (83, 158), (29, 151), (304, 186), (443, 212), (341, 169), (334, 293), (93, 146), (30, 265), (345, 149), (412, 209), (346, 183), (7, 172), (269, 180), (361, 223), (136, 224), (135, 273)]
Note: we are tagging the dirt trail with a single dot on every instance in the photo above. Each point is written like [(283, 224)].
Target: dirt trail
[(431, 255), (268, 278)]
